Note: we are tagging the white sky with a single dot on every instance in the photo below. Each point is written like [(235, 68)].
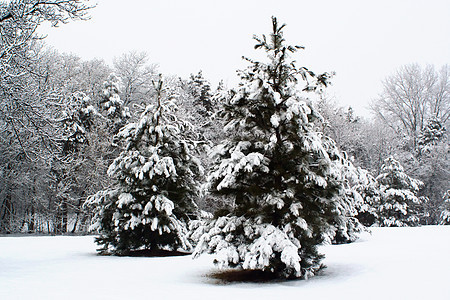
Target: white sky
[(362, 41)]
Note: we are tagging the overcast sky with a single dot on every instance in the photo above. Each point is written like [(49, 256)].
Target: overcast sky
[(362, 41)]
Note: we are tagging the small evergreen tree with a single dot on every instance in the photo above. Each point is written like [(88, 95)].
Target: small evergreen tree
[(399, 204), (445, 215), (369, 189), (284, 177), (431, 134), (200, 89), (153, 198), (77, 118), (349, 230), (199, 106), (110, 101)]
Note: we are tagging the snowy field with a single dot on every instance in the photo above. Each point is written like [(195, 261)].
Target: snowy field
[(392, 263)]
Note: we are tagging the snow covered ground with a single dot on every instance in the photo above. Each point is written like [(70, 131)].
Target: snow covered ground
[(392, 263)]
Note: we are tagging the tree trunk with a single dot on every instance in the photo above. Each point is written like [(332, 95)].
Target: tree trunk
[(64, 216), (31, 225), (6, 212)]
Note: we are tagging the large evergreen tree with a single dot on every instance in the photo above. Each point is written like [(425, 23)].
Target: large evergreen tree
[(286, 179), (153, 198)]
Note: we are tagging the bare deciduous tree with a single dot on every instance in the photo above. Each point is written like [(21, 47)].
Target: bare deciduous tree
[(22, 107), (19, 20), (136, 75), (26, 127), (411, 96)]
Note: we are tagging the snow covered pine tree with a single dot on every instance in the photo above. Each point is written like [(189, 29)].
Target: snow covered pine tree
[(285, 177), (200, 89), (369, 190), (116, 112), (398, 202), (153, 198), (445, 215), (431, 134), (77, 117)]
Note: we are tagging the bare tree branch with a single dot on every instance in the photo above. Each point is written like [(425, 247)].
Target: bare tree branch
[(413, 95)]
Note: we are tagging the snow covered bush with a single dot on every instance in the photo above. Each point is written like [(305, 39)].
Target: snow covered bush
[(399, 204), (153, 198), (286, 179)]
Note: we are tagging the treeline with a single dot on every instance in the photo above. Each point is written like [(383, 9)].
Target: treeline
[(58, 139), (410, 117), (60, 114)]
